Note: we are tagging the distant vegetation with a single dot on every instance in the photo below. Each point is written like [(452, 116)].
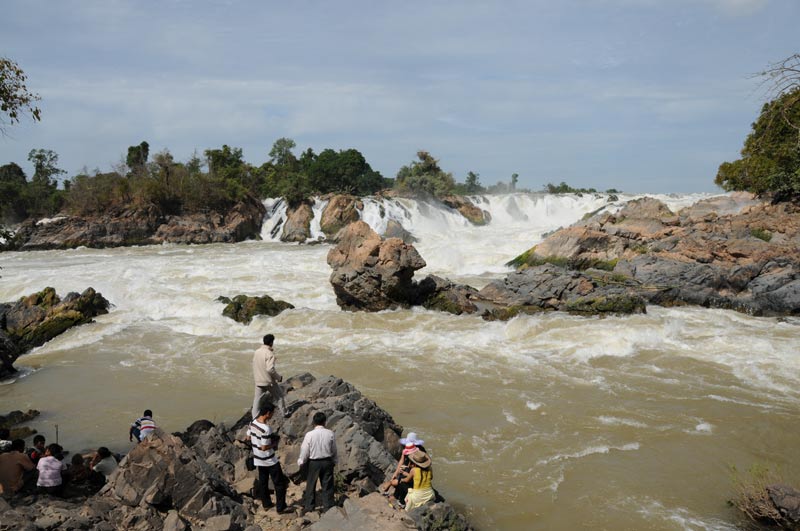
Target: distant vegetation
[(770, 162), (564, 188)]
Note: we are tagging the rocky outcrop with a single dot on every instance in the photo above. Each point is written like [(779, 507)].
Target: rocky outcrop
[(297, 227), (549, 287), (340, 211), (466, 208), (198, 479), (14, 418), (141, 226), (33, 320), (373, 274), (396, 230), (747, 259), (242, 308)]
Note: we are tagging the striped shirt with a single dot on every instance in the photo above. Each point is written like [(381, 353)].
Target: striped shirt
[(260, 436), (145, 425)]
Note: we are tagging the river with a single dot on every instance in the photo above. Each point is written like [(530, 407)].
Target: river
[(545, 422)]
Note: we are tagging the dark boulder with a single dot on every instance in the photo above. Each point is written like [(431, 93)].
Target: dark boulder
[(242, 308)]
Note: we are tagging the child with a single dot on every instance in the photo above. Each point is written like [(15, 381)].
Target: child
[(78, 471), (37, 452), (50, 467)]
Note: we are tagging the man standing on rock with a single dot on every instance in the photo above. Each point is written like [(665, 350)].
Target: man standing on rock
[(263, 441), (266, 378), (319, 450)]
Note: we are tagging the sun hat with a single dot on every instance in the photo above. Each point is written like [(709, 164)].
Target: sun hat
[(411, 440), (420, 458)]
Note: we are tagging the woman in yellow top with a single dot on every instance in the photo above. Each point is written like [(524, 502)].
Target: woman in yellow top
[(422, 492)]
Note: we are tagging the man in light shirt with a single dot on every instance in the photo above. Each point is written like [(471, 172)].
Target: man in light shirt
[(319, 451), (266, 378)]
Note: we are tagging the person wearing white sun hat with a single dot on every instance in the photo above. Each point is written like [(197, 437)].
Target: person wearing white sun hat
[(411, 443)]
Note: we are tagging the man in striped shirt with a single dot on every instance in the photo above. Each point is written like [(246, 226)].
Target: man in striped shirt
[(142, 427), (264, 441)]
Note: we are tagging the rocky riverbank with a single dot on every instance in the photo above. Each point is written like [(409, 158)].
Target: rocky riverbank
[(33, 320), (140, 226), (728, 252), (198, 479)]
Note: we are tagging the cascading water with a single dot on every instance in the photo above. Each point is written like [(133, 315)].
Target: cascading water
[(545, 422)]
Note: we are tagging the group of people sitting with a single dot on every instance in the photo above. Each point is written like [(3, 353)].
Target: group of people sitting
[(42, 468), (412, 479)]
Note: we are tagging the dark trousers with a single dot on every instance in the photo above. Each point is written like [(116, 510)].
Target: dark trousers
[(321, 469), (278, 480)]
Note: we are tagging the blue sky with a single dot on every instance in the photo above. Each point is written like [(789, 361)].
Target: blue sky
[(639, 95)]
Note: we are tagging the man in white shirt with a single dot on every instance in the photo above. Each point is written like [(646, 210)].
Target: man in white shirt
[(103, 462), (264, 441), (266, 378), (319, 451)]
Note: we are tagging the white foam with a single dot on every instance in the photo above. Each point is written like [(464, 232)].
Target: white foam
[(533, 406), (591, 450), (617, 421)]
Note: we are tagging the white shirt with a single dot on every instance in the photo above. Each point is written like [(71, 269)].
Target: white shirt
[(106, 465), (319, 443)]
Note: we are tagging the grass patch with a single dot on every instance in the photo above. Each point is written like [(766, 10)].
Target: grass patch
[(761, 234)]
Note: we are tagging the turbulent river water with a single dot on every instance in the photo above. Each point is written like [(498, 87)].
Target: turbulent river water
[(543, 422)]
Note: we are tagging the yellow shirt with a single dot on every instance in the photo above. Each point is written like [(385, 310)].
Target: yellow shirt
[(422, 477)]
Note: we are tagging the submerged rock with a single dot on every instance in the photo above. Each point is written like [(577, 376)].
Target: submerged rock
[(466, 208), (242, 308), (33, 320)]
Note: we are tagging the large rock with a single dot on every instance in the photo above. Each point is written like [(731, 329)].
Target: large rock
[(340, 211), (242, 308), (297, 227), (466, 208), (33, 320), (745, 257), (370, 273), (142, 226)]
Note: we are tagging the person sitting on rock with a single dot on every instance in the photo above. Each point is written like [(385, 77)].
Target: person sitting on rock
[(262, 440), (410, 445), (13, 465), (77, 471), (50, 468), (38, 450), (142, 427), (422, 476), (103, 462)]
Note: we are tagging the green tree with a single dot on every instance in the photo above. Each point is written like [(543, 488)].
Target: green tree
[(770, 160), (473, 184), (45, 165), (281, 152), (424, 176), (137, 157), (514, 181), (13, 193), (15, 98)]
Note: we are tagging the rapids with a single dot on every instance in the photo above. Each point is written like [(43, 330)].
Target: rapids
[(543, 422)]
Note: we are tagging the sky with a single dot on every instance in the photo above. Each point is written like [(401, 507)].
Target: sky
[(637, 95)]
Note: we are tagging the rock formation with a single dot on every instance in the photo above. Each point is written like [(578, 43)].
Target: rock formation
[(33, 320), (242, 308), (340, 211), (297, 227), (198, 479), (141, 226), (747, 259), (373, 274), (466, 208)]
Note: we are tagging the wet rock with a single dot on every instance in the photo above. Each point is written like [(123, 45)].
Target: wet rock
[(18, 417), (396, 230), (142, 226), (370, 273), (437, 516), (297, 227), (786, 500), (242, 308), (445, 296), (33, 320), (466, 208), (340, 211)]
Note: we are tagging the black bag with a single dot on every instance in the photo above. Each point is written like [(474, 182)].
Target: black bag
[(249, 463)]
